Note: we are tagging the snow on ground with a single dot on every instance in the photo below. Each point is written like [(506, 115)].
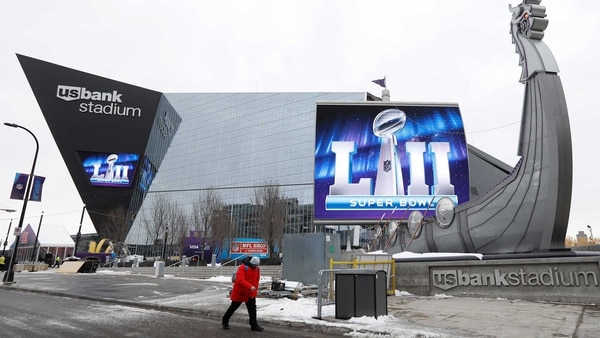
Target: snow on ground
[(408, 254), (302, 310)]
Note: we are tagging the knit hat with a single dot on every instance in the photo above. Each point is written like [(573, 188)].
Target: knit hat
[(255, 261)]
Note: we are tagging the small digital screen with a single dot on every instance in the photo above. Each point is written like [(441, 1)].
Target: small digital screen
[(109, 169), (147, 175)]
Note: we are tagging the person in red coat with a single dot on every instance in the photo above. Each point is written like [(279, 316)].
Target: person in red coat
[(245, 289)]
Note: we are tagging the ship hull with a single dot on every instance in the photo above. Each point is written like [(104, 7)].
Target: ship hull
[(528, 211)]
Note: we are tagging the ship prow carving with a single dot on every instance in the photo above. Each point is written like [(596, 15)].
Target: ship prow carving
[(528, 210)]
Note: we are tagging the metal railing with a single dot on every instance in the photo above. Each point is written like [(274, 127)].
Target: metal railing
[(226, 264), (183, 261), (325, 289)]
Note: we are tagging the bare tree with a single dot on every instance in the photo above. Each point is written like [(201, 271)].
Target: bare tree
[(204, 217), (179, 228), (116, 226), (271, 213), (222, 228), (157, 222)]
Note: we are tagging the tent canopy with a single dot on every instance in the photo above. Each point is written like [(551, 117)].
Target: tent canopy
[(51, 235)]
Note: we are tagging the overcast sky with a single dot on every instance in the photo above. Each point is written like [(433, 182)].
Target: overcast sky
[(433, 51)]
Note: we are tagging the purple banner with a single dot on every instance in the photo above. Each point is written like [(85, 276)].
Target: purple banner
[(20, 183)]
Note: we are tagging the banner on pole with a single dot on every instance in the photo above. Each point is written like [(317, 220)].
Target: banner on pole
[(18, 188), (36, 189), (20, 184)]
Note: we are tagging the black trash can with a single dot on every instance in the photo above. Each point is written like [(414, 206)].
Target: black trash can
[(360, 293)]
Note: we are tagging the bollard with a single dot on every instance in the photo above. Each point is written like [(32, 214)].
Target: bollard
[(214, 260), (159, 269)]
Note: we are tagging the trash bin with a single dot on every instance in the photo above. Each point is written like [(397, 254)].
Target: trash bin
[(360, 292), (159, 269)]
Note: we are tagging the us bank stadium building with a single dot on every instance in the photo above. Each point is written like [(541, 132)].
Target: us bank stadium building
[(178, 145)]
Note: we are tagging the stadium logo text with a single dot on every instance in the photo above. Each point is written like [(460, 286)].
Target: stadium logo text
[(448, 279), (106, 103)]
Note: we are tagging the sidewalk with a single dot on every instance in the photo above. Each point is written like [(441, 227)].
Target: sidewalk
[(408, 316)]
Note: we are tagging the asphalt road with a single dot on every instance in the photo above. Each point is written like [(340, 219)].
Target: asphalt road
[(32, 315)]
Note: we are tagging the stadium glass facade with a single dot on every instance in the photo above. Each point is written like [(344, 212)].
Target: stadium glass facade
[(233, 143)]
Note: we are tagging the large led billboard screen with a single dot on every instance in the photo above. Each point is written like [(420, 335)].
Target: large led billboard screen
[(377, 160), (109, 169)]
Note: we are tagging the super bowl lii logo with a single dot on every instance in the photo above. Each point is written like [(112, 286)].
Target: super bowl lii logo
[(118, 174), (388, 193)]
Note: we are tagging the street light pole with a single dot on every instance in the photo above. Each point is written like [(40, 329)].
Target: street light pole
[(10, 274), (79, 232), (37, 239), (6, 240), (165, 244)]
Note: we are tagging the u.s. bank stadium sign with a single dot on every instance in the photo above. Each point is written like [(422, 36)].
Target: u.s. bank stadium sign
[(97, 102), (551, 276)]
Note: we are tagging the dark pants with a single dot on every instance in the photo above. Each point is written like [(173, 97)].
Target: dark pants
[(250, 305)]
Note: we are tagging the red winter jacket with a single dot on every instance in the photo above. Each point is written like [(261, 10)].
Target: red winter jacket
[(245, 278)]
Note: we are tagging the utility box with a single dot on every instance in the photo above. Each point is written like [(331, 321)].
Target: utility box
[(305, 254), (360, 293)]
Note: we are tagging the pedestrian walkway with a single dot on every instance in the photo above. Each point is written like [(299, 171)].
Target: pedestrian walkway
[(408, 315)]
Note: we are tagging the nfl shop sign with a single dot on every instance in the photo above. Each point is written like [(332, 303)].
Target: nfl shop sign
[(239, 247)]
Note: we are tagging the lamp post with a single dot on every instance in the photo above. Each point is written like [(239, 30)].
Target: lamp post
[(6, 240), (165, 244), (37, 239), (10, 274), (78, 237)]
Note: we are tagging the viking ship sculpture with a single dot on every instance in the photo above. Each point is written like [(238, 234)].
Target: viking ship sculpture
[(528, 211)]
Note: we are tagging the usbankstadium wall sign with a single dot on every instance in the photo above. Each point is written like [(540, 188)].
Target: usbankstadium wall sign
[(552, 276), (377, 160), (568, 279)]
